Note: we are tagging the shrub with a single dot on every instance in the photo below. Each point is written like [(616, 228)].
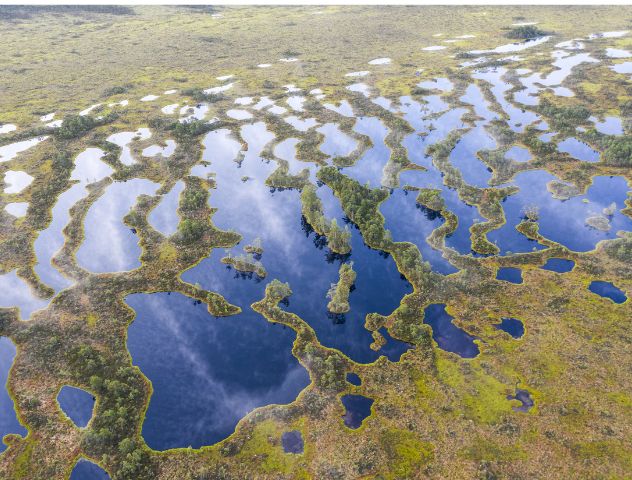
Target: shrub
[(193, 200), (190, 230), (75, 126), (619, 153), (524, 32)]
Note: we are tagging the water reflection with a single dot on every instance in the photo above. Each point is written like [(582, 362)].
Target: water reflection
[(8, 419), (164, 217), (77, 404), (564, 222), (109, 245), (214, 372), (88, 168), (15, 292), (410, 222), (357, 408), (448, 336), (86, 470)]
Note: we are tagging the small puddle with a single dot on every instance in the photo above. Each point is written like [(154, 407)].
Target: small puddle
[(418, 225), (354, 379), (609, 125), (88, 168), (357, 409), (344, 108), (509, 274), (464, 157), (564, 222), (17, 293), (579, 150), (513, 47), (518, 154), (292, 442), (158, 150), (559, 265), (10, 151), (512, 326), (448, 336), (77, 404), (17, 209), (370, 166), (7, 128), (336, 143), (625, 67), (302, 125), (86, 470), (16, 181), (123, 139), (608, 290), (524, 397)]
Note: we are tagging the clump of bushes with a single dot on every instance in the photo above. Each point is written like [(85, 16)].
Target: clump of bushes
[(245, 263), (525, 32), (75, 126), (255, 247), (431, 198), (199, 96), (339, 292), (117, 90), (190, 230), (361, 203), (564, 118), (619, 152), (193, 200), (277, 290), (338, 238), (185, 131)]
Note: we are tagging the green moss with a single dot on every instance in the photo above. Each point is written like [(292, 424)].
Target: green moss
[(406, 453), (483, 449)]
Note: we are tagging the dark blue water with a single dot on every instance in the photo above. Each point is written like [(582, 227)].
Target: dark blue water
[(378, 288), (394, 349), (8, 419), (524, 397), (460, 239), (206, 372), (86, 470), (295, 254), (562, 221), (448, 336), (432, 178), (292, 442), (358, 407), (354, 379), (608, 290), (464, 157), (509, 274), (77, 404), (410, 222), (559, 265), (512, 326)]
